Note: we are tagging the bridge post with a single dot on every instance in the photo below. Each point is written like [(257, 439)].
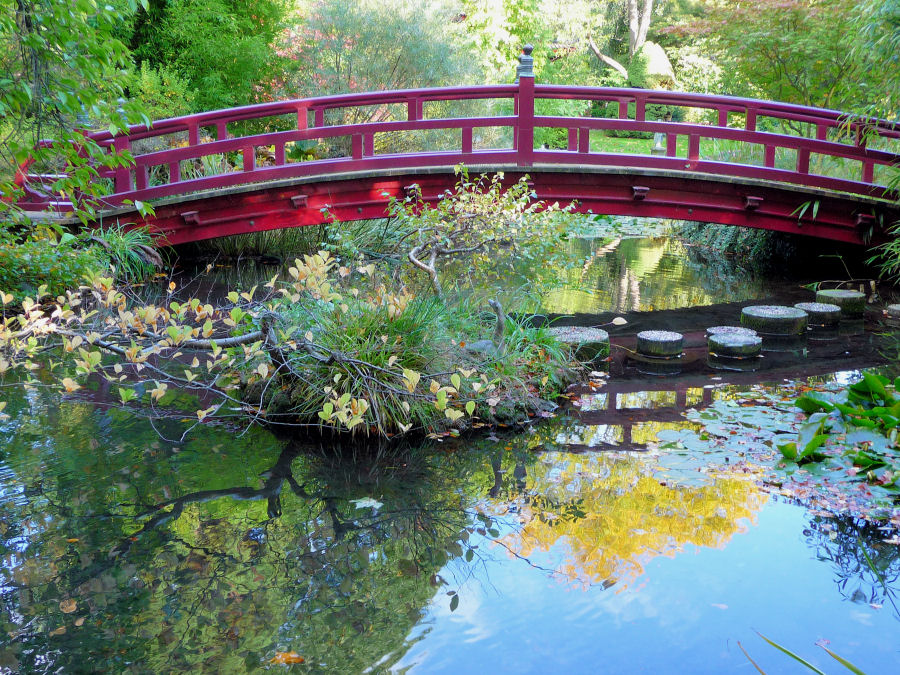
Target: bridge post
[(524, 131)]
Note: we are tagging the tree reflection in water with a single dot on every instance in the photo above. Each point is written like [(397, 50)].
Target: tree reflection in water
[(605, 515), (133, 557), (866, 568)]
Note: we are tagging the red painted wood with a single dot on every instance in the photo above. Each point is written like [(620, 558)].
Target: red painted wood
[(360, 142)]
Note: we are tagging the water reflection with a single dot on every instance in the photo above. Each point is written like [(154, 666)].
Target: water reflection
[(643, 274), (605, 516), (139, 556)]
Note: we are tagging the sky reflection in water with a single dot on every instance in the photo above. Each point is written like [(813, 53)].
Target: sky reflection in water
[(135, 555)]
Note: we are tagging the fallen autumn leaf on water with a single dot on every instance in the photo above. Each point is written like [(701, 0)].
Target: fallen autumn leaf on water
[(68, 606), (287, 658)]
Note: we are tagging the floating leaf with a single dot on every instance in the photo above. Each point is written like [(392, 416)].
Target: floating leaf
[(286, 658), (68, 606)]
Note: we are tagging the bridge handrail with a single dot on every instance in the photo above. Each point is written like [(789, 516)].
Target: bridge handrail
[(520, 117)]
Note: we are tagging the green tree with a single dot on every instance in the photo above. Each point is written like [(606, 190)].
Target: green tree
[(351, 46), (60, 59), (792, 50), (223, 49)]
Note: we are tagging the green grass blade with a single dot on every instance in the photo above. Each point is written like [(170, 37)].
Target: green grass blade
[(761, 671), (791, 654), (844, 662)]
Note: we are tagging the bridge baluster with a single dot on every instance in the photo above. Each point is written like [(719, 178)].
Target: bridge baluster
[(694, 147), (249, 158), (584, 140), (142, 178), (122, 179), (770, 156), (466, 140), (302, 117), (751, 120), (414, 110), (723, 117), (221, 131), (174, 172), (803, 160), (868, 172), (279, 154), (193, 134), (640, 109)]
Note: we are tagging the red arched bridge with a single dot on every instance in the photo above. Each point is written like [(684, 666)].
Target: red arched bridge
[(716, 159)]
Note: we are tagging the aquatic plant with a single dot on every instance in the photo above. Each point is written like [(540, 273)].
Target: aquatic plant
[(867, 415)]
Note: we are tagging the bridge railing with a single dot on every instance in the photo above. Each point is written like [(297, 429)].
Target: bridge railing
[(496, 127)]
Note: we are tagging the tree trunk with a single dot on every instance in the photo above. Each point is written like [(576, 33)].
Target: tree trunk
[(638, 24)]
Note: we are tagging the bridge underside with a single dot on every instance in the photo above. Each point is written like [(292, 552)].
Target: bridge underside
[(606, 190)]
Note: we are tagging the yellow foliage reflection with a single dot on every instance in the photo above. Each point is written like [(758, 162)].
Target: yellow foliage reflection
[(607, 516)]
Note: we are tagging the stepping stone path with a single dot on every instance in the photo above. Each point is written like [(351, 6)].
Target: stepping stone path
[(852, 303), (734, 345), (821, 313), (774, 319), (893, 314), (660, 343), (588, 344)]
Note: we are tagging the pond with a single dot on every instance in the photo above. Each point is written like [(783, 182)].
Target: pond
[(632, 532)]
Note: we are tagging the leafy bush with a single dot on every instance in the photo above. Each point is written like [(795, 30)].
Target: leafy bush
[(61, 261), (650, 68), (162, 92), (46, 258)]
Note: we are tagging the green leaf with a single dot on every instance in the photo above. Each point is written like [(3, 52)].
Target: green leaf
[(454, 602), (844, 662), (791, 654), (814, 402)]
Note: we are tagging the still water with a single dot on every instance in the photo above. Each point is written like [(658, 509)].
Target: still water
[(581, 546)]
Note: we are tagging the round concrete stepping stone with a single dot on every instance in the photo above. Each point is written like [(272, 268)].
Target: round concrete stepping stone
[(852, 303), (588, 344), (821, 313), (730, 330), (660, 343), (774, 319), (735, 346)]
